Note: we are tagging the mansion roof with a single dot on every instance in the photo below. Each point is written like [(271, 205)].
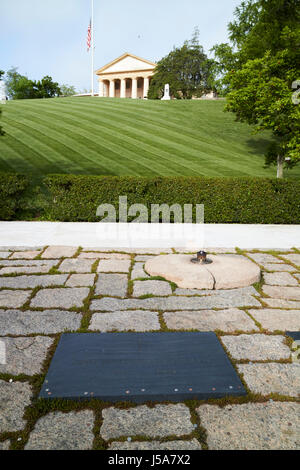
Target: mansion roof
[(127, 63)]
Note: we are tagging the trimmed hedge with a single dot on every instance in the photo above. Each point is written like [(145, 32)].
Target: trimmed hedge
[(226, 200), (12, 186)]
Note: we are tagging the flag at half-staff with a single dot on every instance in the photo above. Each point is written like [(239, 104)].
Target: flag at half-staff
[(89, 36)]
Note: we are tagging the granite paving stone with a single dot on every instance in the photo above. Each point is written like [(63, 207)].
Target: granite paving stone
[(142, 258), (279, 292), (81, 280), (280, 279), (30, 282), (112, 284), (29, 262), (281, 320), (196, 292), (5, 445), (162, 421), (60, 298), (14, 398), (262, 258), (25, 355), (15, 322), (76, 265), (156, 445), (136, 320), (138, 271), (25, 254), (94, 255), (297, 275), (4, 254), (278, 267), (176, 303), (252, 426), (157, 288), (269, 377), (25, 270), (14, 298), (188, 250), (293, 258), (217, 293), (256, 347), (63, 431), (137, 251), (59, 252), (220, 251), (280, 303), (277, 250), (21, 248), (229, 320), (114, 266)]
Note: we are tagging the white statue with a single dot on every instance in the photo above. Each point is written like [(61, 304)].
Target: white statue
[(167, 93), (2, 91)]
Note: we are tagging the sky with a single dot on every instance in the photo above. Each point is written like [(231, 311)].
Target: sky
[(48, 37)]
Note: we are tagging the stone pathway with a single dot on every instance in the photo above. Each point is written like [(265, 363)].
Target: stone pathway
[(45, 291)]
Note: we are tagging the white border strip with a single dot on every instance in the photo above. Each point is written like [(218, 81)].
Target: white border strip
[(114, 235)]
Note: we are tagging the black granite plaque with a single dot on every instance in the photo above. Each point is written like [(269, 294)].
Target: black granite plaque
[(294, 334), (140, 367)]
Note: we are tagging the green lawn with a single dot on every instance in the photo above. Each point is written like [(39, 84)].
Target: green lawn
[(129, 137)]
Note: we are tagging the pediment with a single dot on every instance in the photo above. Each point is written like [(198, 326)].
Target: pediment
[(127, 63)]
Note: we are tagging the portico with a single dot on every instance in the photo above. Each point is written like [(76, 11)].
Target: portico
[(127, 76)]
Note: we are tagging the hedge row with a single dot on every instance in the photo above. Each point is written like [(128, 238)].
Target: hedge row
[(226, 200), (12, 187)]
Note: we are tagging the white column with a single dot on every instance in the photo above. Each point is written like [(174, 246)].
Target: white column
[(111, 89), (101, 89), (134, 88), (123, 88), (146, 86)]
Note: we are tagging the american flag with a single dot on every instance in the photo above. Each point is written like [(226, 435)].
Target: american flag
[(89, 36)]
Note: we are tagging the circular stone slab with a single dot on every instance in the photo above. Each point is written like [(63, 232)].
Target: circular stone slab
[(225, 272)]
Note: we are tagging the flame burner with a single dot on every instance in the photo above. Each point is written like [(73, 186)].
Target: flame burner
[(201, 258)]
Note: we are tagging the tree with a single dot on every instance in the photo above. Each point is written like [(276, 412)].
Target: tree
[(187, 70), (19, 86), (259, 24), (46, 88), (259, 71), (67, 90)]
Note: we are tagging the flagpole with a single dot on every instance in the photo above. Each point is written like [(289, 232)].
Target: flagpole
[(92, 27)]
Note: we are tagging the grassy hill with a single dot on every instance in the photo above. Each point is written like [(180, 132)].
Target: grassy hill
[(129, 137)]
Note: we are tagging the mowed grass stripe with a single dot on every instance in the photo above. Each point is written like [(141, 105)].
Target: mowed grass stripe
[(178, 124), (114, 136), (171, 135), (42, 145), (137, 155), (187, 159), (83, 144), (214, 151), (156, 154), (189, 169), (34, 149), (12, 156), (185, 151), (133, 160), (73, 150)]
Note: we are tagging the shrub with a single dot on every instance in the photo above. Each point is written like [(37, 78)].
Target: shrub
[(226, 200), (12, 187)]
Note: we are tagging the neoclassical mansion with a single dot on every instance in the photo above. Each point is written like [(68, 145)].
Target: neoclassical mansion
[(127, 76)]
